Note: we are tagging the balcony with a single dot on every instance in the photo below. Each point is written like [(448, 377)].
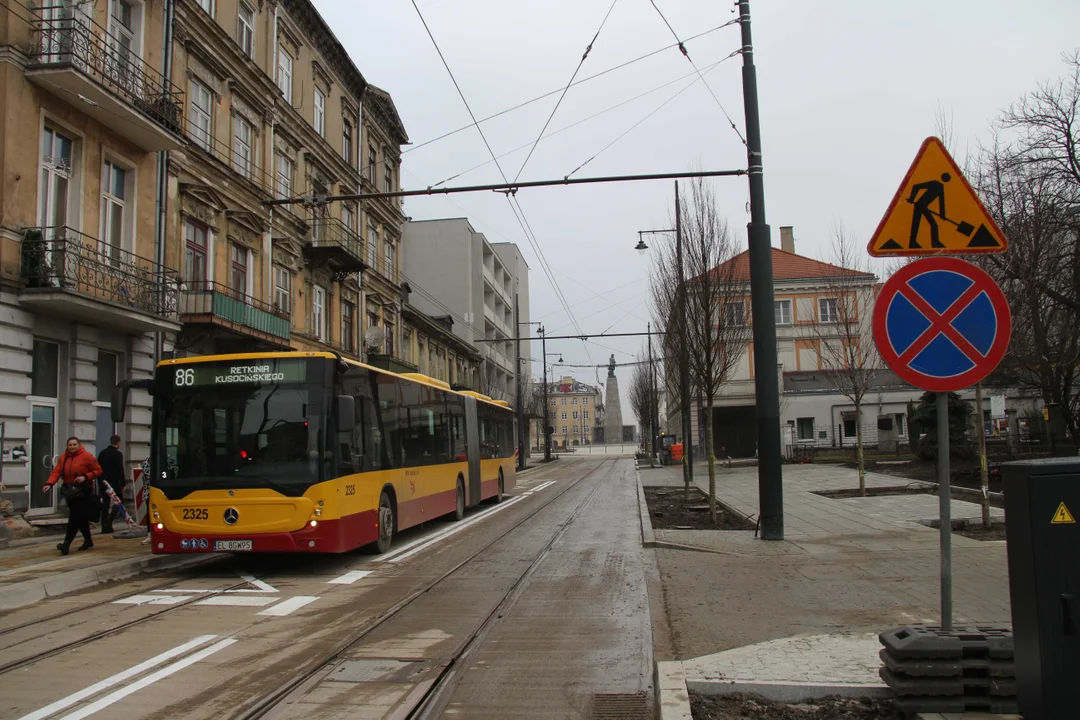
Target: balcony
[(78, 277), (208, 303), (77, 60), (334, 243)]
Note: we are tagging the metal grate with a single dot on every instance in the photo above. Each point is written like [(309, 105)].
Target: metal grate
[(620, 706), (377, 671)]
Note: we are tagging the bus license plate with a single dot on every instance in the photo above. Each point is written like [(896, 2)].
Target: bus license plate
[(232, 545)]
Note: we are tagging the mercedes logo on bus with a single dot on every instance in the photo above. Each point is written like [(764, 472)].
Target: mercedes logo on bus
[(231, 516)]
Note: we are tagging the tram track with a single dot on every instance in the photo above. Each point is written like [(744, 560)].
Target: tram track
[(431, 692)]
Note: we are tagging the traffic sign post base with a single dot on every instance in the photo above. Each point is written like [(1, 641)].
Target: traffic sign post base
[(944, 508)]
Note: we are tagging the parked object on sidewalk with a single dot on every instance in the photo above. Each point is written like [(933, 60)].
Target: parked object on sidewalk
[(76, 471)]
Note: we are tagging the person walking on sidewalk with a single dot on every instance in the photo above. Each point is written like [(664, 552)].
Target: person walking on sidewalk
[(76, 472), (111, 461)]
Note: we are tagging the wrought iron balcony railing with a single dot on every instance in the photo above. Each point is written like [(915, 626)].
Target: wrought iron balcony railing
[(339, 243), (212, 299), (61, 258), (64, 36)]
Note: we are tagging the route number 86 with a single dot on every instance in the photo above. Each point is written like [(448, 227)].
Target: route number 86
[(185, 377)]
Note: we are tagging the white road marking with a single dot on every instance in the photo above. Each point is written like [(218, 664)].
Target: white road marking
[(350, 577), (152, 600), (285, 607), (262, 586), (117, 678), (388, 557), (148, 680), (455, 529), (538, 488), (182, 591), (237, 601)]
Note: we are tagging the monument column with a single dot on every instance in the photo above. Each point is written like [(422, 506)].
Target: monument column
[(612, 407)]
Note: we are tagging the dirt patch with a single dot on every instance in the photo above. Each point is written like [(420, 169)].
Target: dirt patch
[(962, 473), (912, 489), (755, 707), (669, 511), (996, 531)]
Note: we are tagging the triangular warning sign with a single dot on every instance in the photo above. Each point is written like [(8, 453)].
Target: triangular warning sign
[(1062, 516), (935, 212)]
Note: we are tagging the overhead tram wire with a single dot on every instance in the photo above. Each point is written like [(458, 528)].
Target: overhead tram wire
[(583, 120), (536, 248), (656, 110), (682, 48), (588, 49), (620, 66)]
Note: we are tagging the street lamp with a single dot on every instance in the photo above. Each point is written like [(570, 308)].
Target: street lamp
[(521, 432), (684, 360), (544, 352)]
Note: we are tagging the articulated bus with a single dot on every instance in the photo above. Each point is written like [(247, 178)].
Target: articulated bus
[(309, 452)]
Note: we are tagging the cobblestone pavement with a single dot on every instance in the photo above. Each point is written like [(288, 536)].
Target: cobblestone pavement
[(847, 566)]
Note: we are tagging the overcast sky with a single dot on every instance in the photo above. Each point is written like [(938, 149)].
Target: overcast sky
[(848, 91)]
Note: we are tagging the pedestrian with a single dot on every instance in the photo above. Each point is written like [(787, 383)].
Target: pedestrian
[(76, 472), (111, 461)]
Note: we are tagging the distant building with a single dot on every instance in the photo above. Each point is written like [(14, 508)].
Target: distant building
[(572, 411), (453, 270), (430, 346)]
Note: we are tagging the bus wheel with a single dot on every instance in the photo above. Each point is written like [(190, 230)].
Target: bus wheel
[(499, 492), (459, 508), (386, 523)]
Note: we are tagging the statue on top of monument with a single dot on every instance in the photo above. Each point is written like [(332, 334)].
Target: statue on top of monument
[(611, 366)]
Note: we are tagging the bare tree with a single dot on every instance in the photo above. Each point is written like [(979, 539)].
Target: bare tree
[(842, 336), (644, 392), (707, 311)]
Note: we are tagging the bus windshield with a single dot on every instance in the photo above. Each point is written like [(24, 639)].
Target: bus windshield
[(252, 425)]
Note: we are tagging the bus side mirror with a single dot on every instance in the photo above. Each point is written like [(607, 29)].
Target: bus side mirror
[(346, 413), (120, 396)]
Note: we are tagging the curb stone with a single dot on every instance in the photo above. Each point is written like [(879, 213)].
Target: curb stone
[(648, 537), (672, 696), (31, 591)]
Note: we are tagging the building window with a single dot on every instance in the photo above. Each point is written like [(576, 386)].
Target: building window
[(346, 142), (575, 414), (585, 401), (282, 288), (389, 339), (195, 247), (388, 256), (898, 421), (388, 175), (782, 308), (584, 414), (373, 246), (552, 403), (284, 74), (245, 29), (121, 30), (371, 158), (849, 426), (284, 176), (106, 375), (348, 322), (200, 115), (573, 401), (828, 310), (56, 173), (735, 314), (318, 311), (45, 369), (564, 415), (348, 217), (243, 147), (562, 401), (320, 112), (114, 192), (406, 345), (563, 429), (805, 428), (239, 270), (207, 5)]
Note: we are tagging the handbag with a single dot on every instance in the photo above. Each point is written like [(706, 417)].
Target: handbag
[(70, 491)]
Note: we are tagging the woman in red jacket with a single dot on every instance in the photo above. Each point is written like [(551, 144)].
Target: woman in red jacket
[(77, 470)]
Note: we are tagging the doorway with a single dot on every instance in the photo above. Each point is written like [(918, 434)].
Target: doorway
[(42, 457)]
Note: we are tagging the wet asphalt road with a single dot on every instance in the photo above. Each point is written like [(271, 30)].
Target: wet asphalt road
[(531, 608)]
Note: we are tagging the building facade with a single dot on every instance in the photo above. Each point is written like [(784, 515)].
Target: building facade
[(453, 270), (140, 143), (430, 346), (572, 410)]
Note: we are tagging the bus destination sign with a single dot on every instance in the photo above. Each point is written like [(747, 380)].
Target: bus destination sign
[(250, 372)]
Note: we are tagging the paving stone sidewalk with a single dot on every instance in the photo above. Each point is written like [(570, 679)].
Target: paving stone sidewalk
[(808, 609)]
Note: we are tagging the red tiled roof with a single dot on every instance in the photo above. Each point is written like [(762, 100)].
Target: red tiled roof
[(789, 266)]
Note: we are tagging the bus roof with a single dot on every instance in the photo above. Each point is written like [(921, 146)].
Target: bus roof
[(412, 377)]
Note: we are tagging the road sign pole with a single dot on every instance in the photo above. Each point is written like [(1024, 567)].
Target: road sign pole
[(944, 508)]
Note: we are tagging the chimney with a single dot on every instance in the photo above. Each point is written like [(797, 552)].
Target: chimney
[(787, 238)]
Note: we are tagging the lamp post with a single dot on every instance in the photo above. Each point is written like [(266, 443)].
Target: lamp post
[(547, 433), (684, 359), (522, 434)]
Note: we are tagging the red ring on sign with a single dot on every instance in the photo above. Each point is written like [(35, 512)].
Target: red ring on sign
[(982, 282)]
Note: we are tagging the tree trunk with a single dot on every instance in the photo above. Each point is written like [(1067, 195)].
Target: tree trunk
[(712, 459), (984, 479), (859, 449)]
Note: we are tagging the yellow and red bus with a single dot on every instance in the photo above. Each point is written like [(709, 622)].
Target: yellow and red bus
[(309, 452)]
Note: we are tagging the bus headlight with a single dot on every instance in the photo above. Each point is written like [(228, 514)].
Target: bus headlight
[(313, 523), (161, 526)]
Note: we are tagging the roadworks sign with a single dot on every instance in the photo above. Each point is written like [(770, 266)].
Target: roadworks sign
[(1062, 516), (936, 212)]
